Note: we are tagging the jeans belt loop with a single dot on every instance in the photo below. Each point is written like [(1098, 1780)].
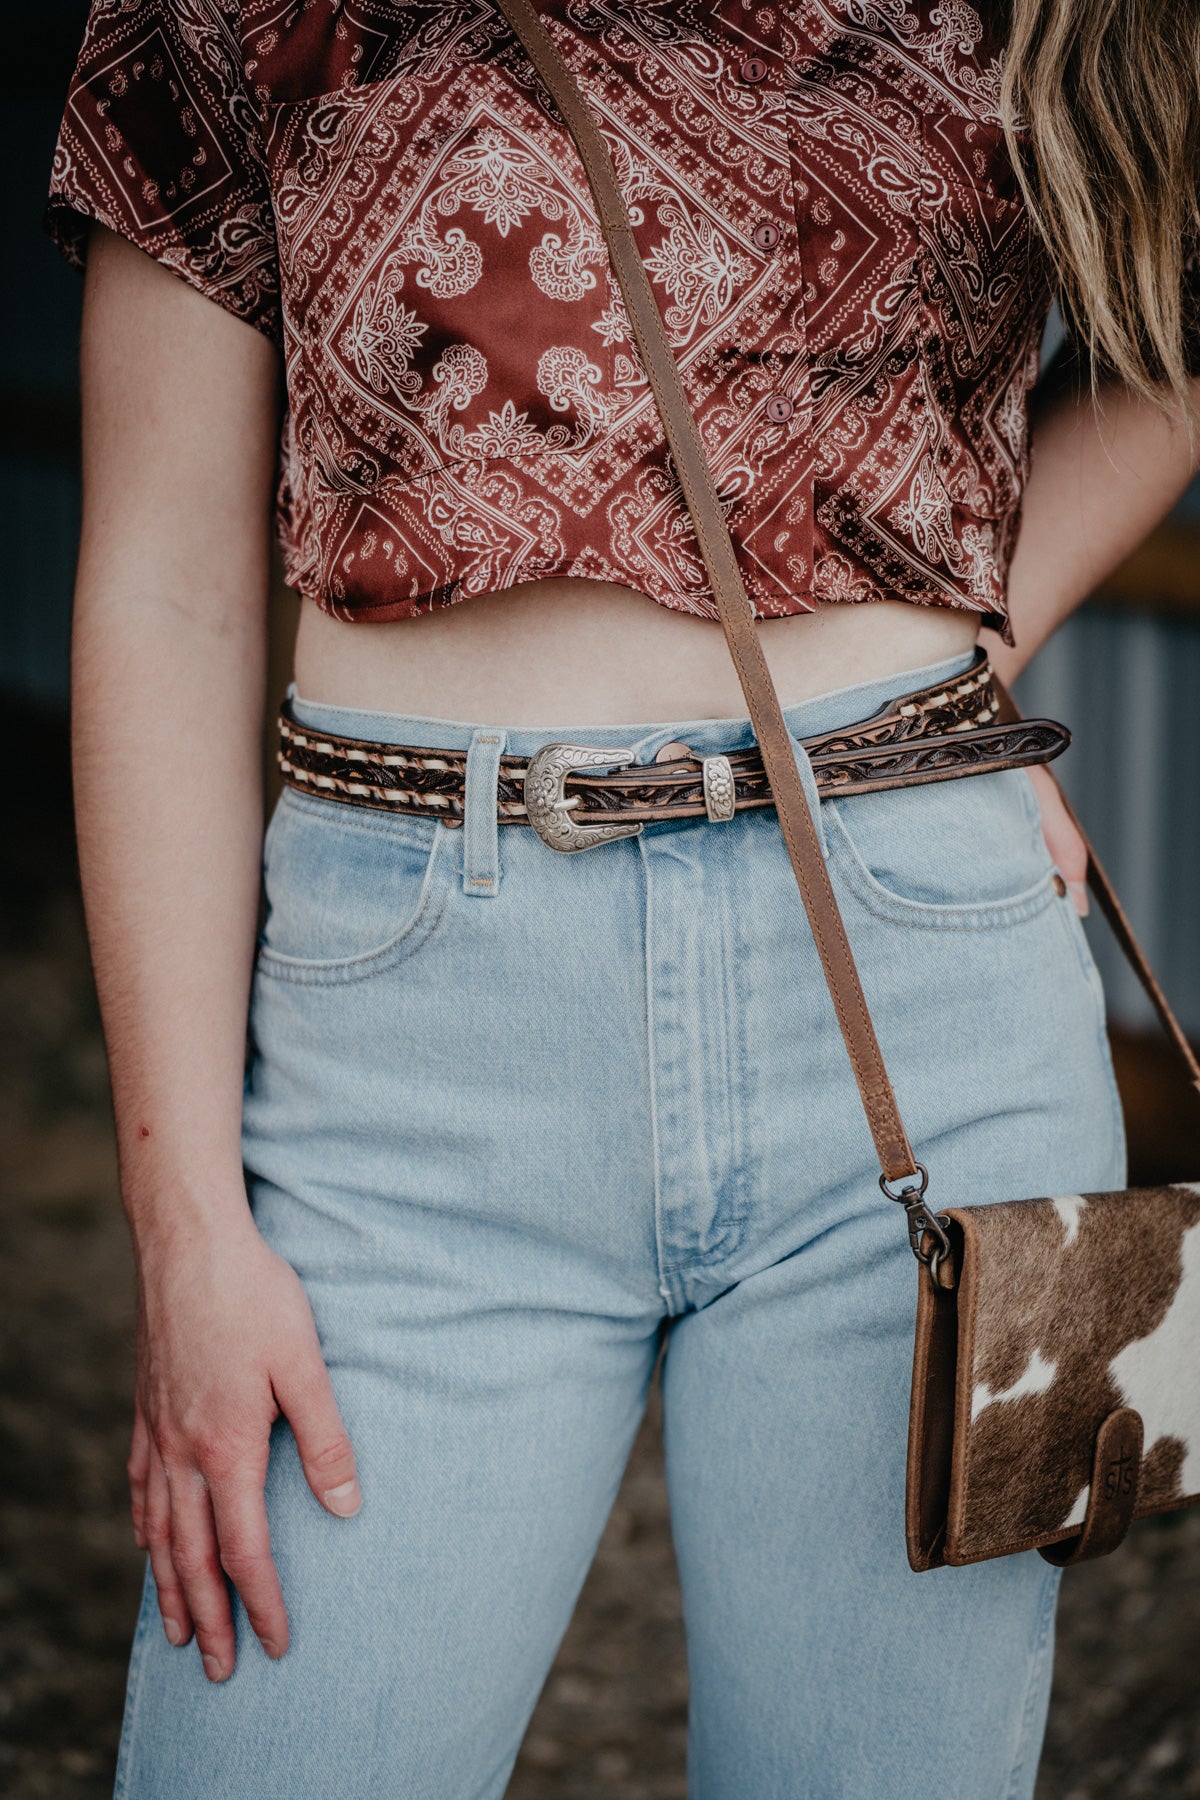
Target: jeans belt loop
[(481, 828)]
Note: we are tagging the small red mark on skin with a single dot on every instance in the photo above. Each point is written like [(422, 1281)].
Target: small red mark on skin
[(144, 1131)]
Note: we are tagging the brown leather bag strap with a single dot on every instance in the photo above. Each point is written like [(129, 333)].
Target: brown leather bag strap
[(1117, 918), (733, 605)]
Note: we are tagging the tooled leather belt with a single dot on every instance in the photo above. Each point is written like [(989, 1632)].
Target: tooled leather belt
[(934, 734)]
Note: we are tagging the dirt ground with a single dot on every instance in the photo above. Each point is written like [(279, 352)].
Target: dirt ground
[(1125, 1722)]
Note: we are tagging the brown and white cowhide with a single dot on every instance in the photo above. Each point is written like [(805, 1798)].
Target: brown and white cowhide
[(1069, 1308)]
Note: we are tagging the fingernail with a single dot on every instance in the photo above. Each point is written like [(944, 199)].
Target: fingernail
[(213, 1667), (271, 1647), (174, 1631), (344, 1500), (1079, 895)]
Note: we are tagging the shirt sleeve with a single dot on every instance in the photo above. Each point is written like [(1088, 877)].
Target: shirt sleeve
[(160, 141)]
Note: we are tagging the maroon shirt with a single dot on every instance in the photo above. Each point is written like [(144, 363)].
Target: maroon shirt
[(823, 197)]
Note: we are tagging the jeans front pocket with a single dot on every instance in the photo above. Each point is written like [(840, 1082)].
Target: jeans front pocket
[(349, 893), (966, 854)]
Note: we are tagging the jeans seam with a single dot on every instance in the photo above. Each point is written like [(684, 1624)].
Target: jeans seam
[(1081, 950), (1041, 1647), (137, 1670), (648, 976)]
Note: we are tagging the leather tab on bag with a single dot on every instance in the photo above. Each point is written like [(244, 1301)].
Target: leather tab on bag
[(1113, 1494)]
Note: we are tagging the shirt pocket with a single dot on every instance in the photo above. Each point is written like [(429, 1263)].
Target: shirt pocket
[(348, 895), (446, 288), (980, 328)]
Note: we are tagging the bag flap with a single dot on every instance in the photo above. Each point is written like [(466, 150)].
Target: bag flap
[(1068, 1309)]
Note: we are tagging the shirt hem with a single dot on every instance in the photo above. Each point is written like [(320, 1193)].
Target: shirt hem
[(676, 600)]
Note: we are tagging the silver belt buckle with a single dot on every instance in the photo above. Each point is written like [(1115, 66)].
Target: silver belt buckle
[(546, 803)]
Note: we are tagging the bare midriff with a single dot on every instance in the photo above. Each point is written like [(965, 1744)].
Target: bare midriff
[(567, 652)]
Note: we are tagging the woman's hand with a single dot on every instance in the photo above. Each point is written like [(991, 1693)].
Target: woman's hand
[(169, 659), (226, 1342), (1063, 837)]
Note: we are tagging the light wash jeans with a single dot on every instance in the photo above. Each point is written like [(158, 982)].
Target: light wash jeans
[(516, 1117)]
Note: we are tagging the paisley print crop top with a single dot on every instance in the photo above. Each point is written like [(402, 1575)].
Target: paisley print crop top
[(825, 202)]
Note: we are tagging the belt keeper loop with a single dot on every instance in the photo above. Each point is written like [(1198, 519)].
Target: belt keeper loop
[(719, 792), (481, 826)]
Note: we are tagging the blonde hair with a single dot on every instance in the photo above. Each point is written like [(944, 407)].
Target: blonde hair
[(1110, 169)]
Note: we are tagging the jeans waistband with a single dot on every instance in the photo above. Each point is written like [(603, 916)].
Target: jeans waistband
[(709, 737)]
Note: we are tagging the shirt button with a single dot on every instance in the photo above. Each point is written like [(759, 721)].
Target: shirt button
[(780, 408), (766, 236), (754, 69)]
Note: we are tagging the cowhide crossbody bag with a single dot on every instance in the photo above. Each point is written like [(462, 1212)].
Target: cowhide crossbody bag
[(1056, 1382), (1056, 1376)]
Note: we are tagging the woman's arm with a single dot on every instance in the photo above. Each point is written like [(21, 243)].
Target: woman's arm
[(180, 416), (1100, 482)]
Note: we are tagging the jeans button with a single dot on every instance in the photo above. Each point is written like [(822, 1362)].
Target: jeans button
[(754, 69), (780, 408), (766, 236)]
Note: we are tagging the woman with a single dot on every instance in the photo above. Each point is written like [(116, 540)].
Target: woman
[(513, 1121)]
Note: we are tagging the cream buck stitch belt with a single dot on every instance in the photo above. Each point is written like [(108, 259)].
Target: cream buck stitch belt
[(578, 795)]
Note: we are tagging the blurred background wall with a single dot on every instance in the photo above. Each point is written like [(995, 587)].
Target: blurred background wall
[(1124, 1720)]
